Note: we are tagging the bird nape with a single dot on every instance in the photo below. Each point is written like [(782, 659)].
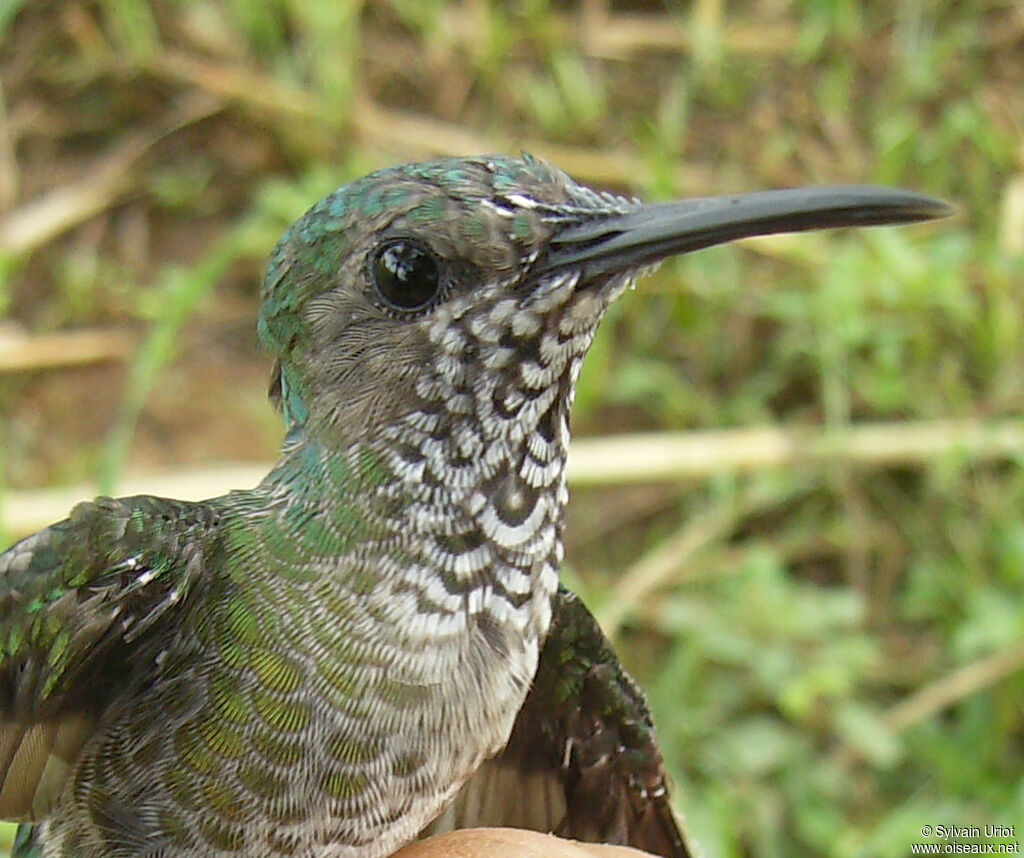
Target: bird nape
[(371, 643)]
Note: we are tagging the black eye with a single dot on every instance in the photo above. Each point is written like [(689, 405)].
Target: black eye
[(406, 274)]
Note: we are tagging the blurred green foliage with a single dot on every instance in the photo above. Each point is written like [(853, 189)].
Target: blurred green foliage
[(839, 660)]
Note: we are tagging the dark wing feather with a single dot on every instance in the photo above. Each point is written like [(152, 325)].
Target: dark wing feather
[(76, 600), (583, 760)]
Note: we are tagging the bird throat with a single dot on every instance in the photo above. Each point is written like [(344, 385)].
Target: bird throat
[(428, 549)]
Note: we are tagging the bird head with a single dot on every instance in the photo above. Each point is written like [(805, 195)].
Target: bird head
[(474, 286)]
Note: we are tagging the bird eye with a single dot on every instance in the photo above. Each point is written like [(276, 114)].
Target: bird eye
[(406, 275)]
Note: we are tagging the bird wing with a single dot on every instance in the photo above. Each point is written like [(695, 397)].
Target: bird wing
[(78, 603), (582, 760)]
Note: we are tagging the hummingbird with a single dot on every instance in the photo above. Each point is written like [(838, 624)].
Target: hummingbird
[(371, 644)]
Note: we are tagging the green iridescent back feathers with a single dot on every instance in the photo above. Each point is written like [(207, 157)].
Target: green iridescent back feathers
[(81, 602)]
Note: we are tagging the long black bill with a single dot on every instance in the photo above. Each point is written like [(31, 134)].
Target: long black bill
[(649, 233)]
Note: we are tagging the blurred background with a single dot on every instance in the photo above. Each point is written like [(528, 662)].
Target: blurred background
[(818, 573)]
